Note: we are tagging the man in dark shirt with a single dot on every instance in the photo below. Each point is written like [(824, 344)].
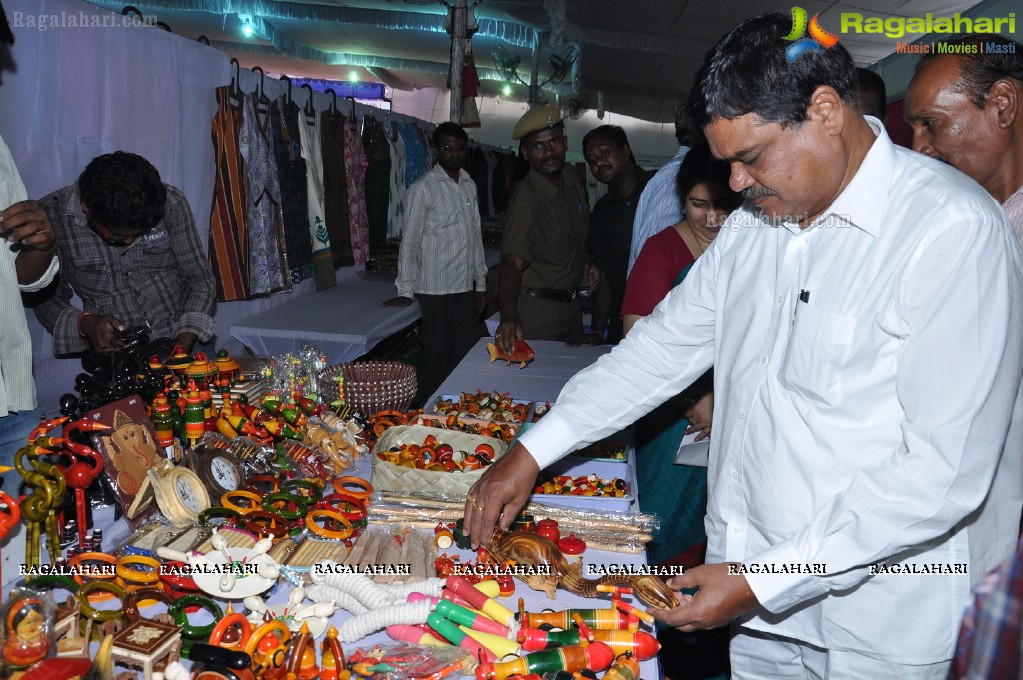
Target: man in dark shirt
[(606, 149), (543, 249), (129, 249)]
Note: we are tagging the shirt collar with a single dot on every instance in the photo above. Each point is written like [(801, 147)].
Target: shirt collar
[(1016, 197), (73, 206), (862, 203), (547, 188)]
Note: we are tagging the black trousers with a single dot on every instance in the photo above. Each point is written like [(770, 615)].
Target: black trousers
[(450, 329)]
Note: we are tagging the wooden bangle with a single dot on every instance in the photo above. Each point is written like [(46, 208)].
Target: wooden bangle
[(363, 491), (83, 571), (232, 516), (126, 572), (101, 614), (51, 582), (310, 521), (253, 523), (298, 502), (136, 599), (314, 491), (252, 497), (354, 509), (176, 576), (177, 611), (274, 482)]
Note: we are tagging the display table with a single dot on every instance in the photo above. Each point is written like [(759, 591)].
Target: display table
[(541, 379), (115, 532), (345, 321)]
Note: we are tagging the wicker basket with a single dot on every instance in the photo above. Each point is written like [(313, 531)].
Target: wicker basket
[(390, 477), (371, 386)]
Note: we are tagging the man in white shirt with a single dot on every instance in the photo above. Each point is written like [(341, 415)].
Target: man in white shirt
[(441, 261), (27, 264), (659, 206), (967, 110), (863, 314)]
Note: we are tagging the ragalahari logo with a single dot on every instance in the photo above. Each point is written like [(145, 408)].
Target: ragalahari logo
[(819, 37)]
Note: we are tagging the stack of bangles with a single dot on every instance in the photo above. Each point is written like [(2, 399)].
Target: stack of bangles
[(344, 512), (90, 567)]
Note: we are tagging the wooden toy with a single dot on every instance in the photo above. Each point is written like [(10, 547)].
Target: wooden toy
[(148, 644), (40, 507), (530, 549)]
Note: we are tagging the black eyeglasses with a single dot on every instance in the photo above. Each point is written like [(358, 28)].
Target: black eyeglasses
[(552, 144), (113, 238)]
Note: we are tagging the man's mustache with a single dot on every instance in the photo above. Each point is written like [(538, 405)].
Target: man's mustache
[(752, 192)]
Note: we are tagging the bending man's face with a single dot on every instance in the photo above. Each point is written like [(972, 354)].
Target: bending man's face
[(787, 172)]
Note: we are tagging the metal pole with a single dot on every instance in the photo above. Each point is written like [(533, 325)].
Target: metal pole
[(534, 72), (458, 30)]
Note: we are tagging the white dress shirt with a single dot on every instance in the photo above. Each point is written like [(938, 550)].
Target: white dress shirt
[(862, 427), (659, 205), (441, 245), (17, 389), (1013, 207)]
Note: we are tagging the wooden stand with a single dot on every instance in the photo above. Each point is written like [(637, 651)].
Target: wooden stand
[(145, 642)]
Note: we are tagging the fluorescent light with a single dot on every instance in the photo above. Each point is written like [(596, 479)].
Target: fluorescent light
[(506, 90), (353, 77)]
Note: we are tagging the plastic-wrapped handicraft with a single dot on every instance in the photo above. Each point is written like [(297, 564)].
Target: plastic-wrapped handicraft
[(528, 549)]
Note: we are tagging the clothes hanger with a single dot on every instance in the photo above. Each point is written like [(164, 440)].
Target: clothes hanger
[(288, 98), (310, 110), (262, 99), (236, 80), (333, 102), (353, 121)]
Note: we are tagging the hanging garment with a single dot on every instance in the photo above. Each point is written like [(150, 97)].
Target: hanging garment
[(268, 272), (378, 173), (396, 193), (491, 159), (323, 260), (415, 153), (335, 188), (476, 166), (356, 164), (228, 245), (294, 197)]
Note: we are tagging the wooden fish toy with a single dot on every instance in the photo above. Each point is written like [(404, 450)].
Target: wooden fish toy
[(522, 353)]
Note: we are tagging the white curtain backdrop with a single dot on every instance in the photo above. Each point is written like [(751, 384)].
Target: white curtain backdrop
[(68, 94), (81, 81)]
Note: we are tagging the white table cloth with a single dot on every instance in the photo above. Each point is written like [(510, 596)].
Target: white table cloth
[(345, 321)]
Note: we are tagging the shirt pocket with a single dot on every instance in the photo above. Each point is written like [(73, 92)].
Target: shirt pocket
[(818, 352), (158, 255), (91, 277)]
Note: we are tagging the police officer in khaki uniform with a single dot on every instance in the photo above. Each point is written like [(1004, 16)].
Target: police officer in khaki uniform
[(543, 252)]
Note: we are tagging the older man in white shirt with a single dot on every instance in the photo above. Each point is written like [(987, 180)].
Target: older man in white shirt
[(27, 264), (863, 314)]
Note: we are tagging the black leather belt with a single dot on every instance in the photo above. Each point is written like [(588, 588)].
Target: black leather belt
[(556, 294)]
